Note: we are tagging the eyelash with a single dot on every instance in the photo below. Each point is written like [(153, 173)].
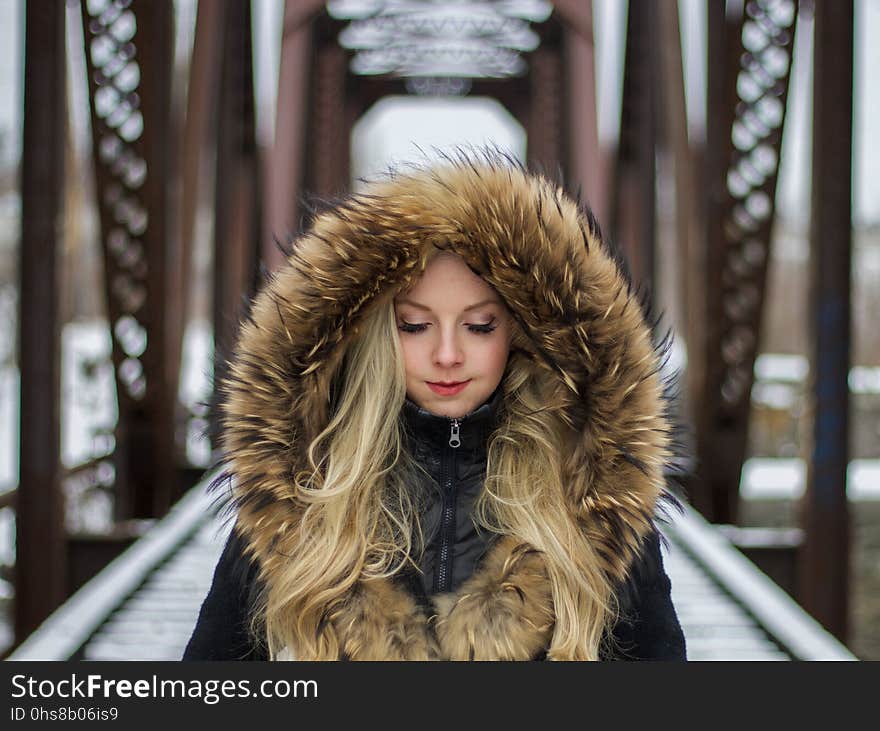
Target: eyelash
[(411, 327)]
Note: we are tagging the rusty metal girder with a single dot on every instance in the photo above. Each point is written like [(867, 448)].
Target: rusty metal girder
[(129, 53), (688, 255), (41, 561), (824, 563), (236, 210), (544, 130), (328, 149), (285, 163), (750, 91), (587, 164), (634, 206)]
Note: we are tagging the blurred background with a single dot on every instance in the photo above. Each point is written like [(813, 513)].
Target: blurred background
[(152, 151)]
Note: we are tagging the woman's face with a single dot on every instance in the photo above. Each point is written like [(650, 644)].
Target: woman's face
[(455, 334)]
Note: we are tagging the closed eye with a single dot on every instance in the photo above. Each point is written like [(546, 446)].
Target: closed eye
[(482, 329), (417, 327)]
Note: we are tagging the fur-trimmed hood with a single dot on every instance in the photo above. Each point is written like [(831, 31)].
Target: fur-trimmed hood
[(585, 332)]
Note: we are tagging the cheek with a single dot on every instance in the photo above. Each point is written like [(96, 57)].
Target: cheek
[(412, 355), (494, 356)]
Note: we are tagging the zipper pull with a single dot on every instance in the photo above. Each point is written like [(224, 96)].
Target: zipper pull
[(454, 441)]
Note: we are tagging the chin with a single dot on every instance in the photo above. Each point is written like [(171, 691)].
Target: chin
[(452, 411), (455, 409)]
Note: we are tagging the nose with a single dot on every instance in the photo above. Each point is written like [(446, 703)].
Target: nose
[(447, 351)]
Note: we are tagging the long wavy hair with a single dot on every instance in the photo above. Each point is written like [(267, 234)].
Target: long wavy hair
[(360, 518)]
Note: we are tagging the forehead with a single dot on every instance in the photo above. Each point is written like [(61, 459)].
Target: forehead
[(448, 280)]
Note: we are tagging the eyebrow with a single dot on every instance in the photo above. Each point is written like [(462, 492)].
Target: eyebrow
[(474, 306)]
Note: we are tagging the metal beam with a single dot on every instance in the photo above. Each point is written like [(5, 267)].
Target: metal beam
[(199, 130), (634, 207), (691, 265), (824, 569), (714, 498), (41, 565), (330, 122), (587, 165), (745, 120), (129, 51), (545, 114), (236, 210), (285, 163)]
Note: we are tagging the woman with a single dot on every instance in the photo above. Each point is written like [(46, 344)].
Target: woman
[(446, 437)]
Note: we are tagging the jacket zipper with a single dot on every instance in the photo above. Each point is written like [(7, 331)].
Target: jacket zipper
[(443, 572)]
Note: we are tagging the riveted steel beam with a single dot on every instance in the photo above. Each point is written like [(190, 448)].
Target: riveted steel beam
[(750, 61), (129, 52)]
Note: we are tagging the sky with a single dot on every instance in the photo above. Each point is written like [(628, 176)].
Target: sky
[(394, 128)]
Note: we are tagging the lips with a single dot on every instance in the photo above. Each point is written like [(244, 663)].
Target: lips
[(447, 389)]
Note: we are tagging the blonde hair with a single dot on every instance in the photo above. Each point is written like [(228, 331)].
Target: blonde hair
[(525, 496), (360, 517)]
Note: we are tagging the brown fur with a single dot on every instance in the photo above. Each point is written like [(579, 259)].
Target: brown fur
[(380, 621), (503, 612), (583, 331)]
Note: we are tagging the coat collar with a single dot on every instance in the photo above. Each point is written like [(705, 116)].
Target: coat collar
[(432, 431)]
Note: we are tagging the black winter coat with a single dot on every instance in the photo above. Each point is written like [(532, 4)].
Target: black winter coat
[(647, 630)]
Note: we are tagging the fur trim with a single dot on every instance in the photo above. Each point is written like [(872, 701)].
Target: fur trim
[(503, 612), (586, 334), (381, 621)]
